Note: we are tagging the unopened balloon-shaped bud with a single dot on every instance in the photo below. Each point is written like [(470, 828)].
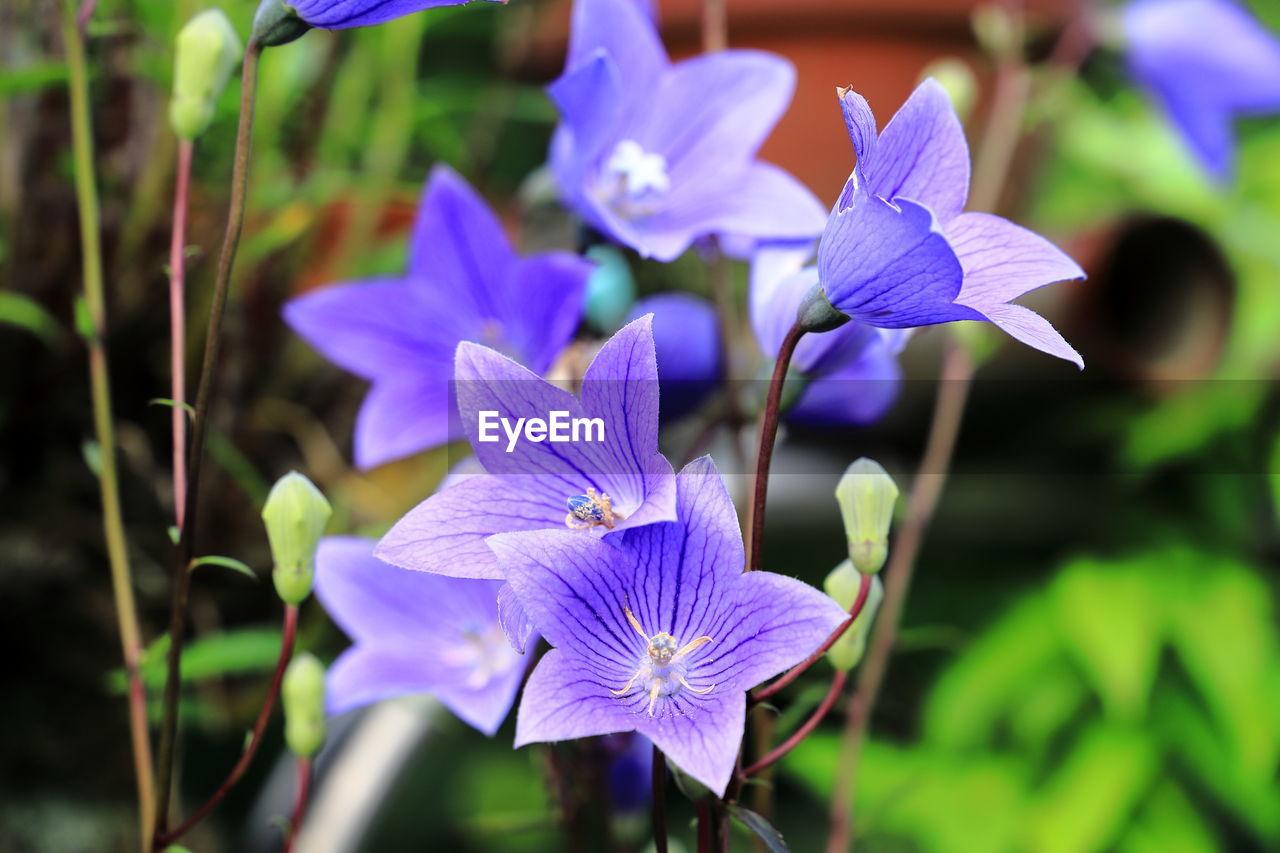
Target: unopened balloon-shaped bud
[(302, 694), (205, 55), (842, 585), (611, 289), (867, 496), (276, 23), (295, 515)]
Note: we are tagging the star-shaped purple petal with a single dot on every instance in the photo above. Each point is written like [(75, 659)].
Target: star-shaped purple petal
[(656, 154), (1205, 62), (415, 633), (659, 631), (464, 283), (898, 252), (344, 14)]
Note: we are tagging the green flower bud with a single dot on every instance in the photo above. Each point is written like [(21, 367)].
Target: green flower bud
[(955, 76), (867, 495), (817, 314), (842, 585), (302, 694), (275, 23), (295, 514), (611, 289), (205, 55)]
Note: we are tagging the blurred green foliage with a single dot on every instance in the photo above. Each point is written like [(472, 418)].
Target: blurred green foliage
[(1132, 705)]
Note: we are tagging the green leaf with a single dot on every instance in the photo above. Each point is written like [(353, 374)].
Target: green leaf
[(1111, 617), (240, 652), (764, 830), (17, 309), (1090, 796), (165, 401), (1167, 822), (92, 453), (84, 320), (31, 78), (226, 563)]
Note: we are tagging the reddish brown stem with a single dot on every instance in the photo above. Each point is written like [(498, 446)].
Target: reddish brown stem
[(864, 588), (177, 327), (255, 740), (837, 685), (299, 803), (659, 801), (768, 435)]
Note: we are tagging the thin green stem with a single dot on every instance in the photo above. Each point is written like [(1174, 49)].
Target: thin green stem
[(103, 421), (199, 428)]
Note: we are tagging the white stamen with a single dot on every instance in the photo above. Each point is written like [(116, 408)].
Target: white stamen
[(640, 171)]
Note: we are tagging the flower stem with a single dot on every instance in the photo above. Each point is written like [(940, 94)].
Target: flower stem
[(953, 392), (288, 635), (104, 427), (768, 434), (659, 800), (799, 669), (705, 824), (715, 26), (182, 573), (177, 327), (299, 803), (837, 685)]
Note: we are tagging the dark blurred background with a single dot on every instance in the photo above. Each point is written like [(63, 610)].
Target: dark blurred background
[(1088, 660)]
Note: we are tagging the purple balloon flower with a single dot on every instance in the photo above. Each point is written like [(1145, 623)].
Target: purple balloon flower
[(686, 336), (344, 14), (595, 487), (899, 251), (656, 154), (851, 373), (1206, 62), (415, 633), (465, 283), (658, 630)]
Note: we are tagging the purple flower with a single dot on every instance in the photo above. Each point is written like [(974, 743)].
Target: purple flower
[(659, 631), (1205, 62), (686, 336), (898, 251), (415, 633), (851, 374), (344, 14), (464, 284), (613, 484), (656, 154)]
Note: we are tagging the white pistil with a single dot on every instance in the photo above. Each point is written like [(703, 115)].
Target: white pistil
[(639, 172), (663, 664)]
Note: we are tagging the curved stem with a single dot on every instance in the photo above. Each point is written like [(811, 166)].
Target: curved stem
[(177, 327), (287, 637), (953, 392), (659, 800), (299, 803), (103, 421), (768, 434), (182, 574), (837, 685), (864, 589)]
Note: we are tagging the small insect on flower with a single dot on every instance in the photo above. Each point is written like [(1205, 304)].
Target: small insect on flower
[(591, 510), (663, 668)]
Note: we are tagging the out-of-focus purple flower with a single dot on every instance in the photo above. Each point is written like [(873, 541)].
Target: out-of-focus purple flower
[(851, 373), (622, 477), (465, 283), (686, 335), (658, 630), (415, 633), (1206, 62), (656, 154), (899, 251), (344, 14), (630, 774)]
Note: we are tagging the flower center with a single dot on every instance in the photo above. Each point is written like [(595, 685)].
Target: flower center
[(483, 654), (635, 179), (663, 670), (593, 509)]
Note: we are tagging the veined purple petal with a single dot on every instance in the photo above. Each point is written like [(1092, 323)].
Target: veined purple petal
[(890, 266), (344, 14), (861, 126), (686, 338), (922, 154), (513, 619), (622, 30), (564, 699), (1033, 330), (589, 98), (1002, 261)]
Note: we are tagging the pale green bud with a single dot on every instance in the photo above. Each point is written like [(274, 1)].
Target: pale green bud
[(842, 585), (957, 80), (998, 32), (302, 694), (611, 289), (295, 514), (205, 55), (867, 495)]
